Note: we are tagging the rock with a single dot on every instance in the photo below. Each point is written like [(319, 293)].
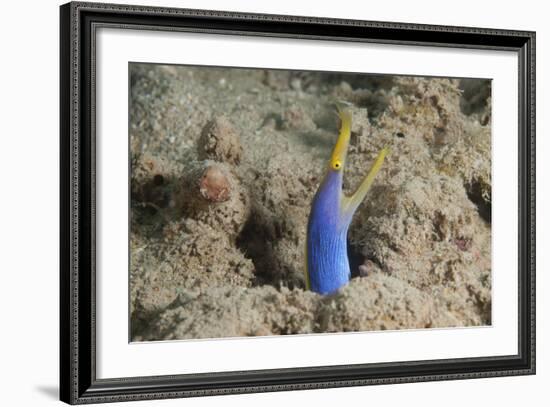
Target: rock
[(219, 141), (211, 193)]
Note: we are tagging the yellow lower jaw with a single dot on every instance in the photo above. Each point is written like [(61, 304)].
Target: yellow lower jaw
[(352, 202)]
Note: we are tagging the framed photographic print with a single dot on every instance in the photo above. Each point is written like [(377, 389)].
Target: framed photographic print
[(256, 203)]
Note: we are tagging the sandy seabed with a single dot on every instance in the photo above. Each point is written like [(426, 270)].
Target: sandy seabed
[(225, 163)]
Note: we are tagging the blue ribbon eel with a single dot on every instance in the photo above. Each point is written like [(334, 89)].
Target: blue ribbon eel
[(327, 265)]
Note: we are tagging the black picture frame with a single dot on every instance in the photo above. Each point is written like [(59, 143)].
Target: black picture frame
[(78, 382)]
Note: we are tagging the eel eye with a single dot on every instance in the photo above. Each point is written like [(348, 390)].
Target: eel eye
[(337, 165)]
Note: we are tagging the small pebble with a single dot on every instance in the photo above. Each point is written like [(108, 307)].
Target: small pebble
[(214, 185), (363, 270)]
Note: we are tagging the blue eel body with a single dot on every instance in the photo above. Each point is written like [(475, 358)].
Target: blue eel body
[(327, 264)]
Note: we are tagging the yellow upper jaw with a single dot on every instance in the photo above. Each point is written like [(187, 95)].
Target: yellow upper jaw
[(338, 158)]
